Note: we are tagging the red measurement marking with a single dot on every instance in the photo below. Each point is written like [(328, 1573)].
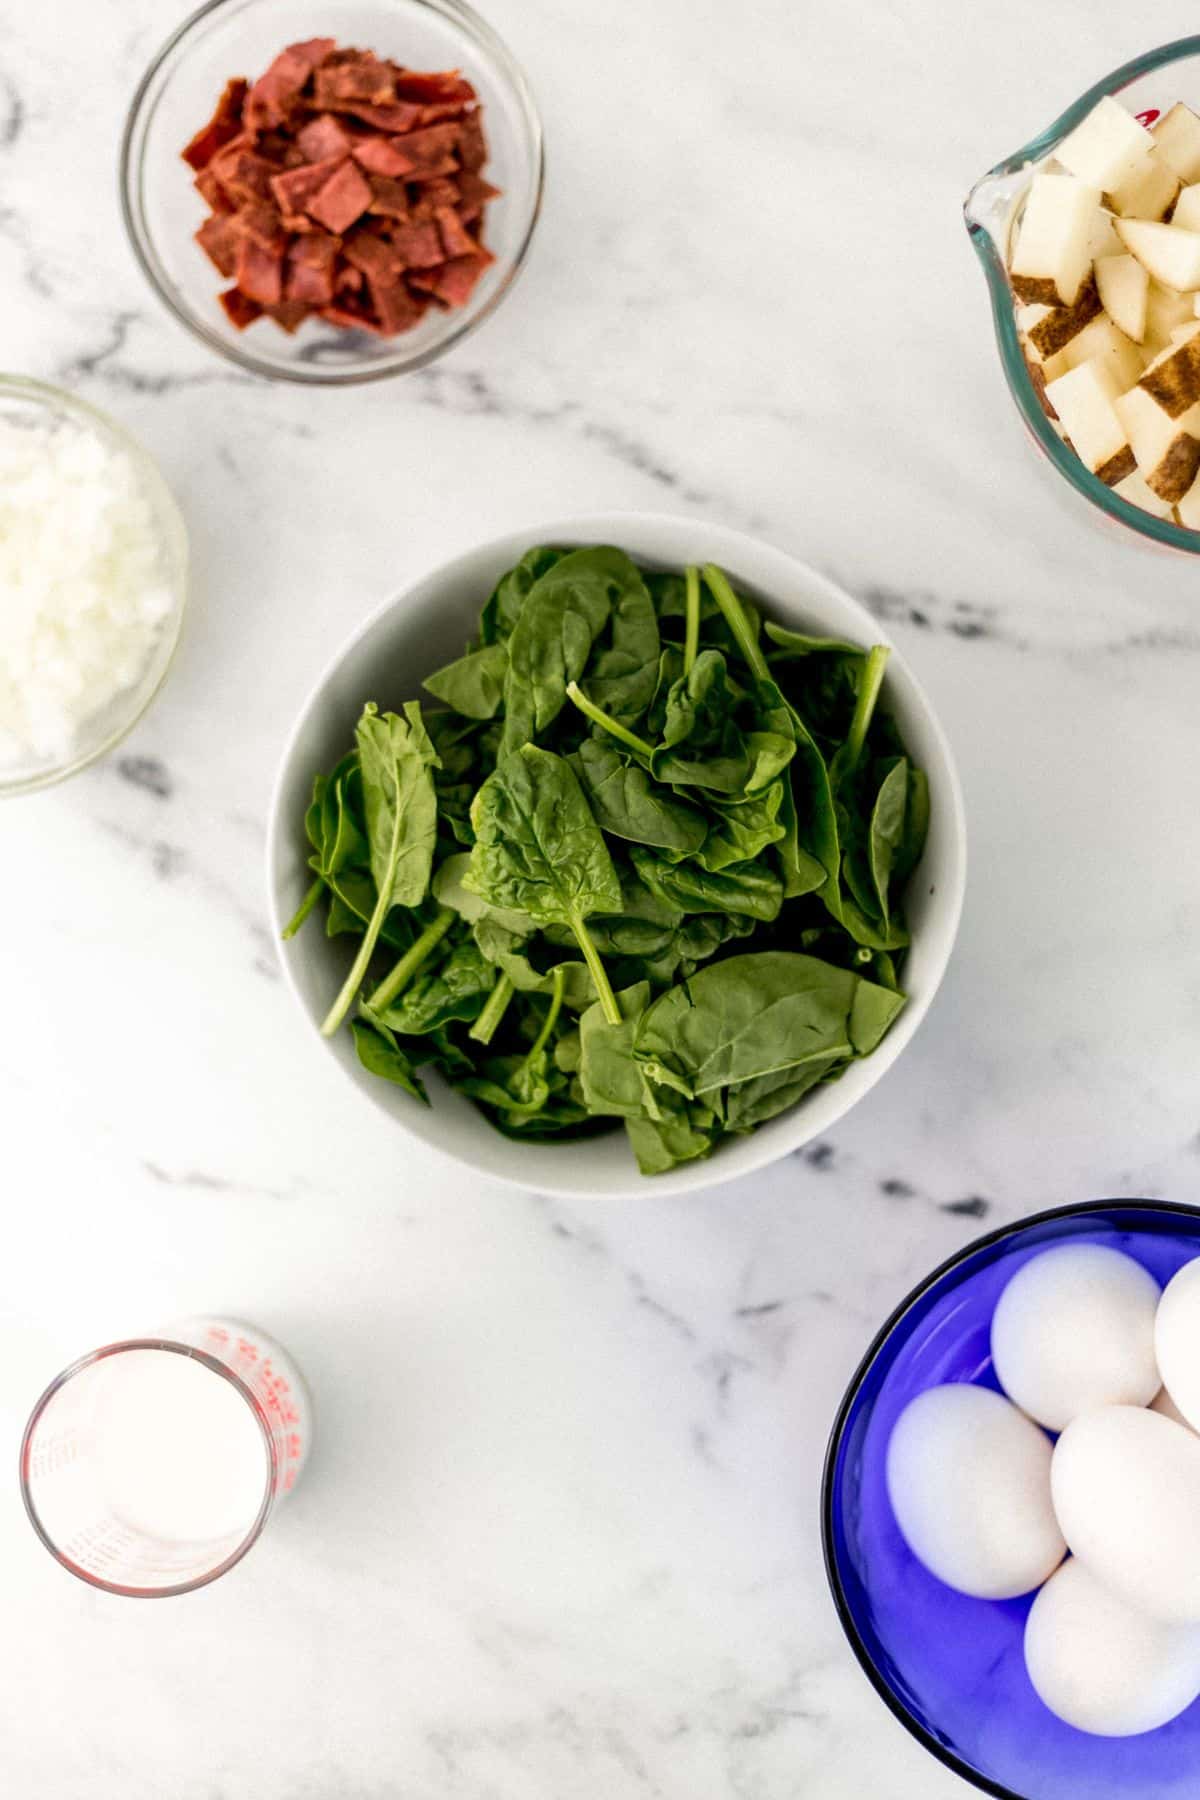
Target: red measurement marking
[(1148, 117)]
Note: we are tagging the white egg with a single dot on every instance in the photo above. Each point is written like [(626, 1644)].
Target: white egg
[(1126, 1487), (1073, 1329), (1177, 1341), (1163, 1403), (968, 1477), (1101, 1665)]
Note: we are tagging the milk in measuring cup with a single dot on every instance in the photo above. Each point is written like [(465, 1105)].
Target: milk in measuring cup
[(180, 1454)]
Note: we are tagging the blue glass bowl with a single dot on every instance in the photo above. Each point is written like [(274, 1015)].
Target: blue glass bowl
[(951, 1668)]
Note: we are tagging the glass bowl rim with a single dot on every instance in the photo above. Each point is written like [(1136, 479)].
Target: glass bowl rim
[(53, 399), (1016, 371), (1075, 1210), (501, 62)]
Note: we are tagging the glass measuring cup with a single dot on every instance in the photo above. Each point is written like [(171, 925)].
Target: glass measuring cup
[(1148, 87), (148, 1477)]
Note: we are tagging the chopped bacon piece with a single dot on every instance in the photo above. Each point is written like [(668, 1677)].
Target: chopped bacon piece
[(429, 195), (419, 244), (344, 198), (277, 89), (474, 193), (432, 151), (260, 272), (241, 311), (456, 240), (218, 238), (290, 314), (472, 145), (388, 198), (384, 156), (212, 193), (309, 274), (455, 281), (349, 318), (323, 138), (432, 85), (242, 174), (225, 124), (395, 115), (378, 257), (347, 279), (444, 109), (296, 187), (261, 222), (360, 78), (397, 309)]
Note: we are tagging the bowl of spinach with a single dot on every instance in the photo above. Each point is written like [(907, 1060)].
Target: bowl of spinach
[(624, 855)]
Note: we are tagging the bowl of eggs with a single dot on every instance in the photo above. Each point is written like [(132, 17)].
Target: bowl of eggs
[(1011, 1506)]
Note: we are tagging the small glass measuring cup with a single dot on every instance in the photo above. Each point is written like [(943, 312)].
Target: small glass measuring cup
[(63, 1470), (1148, 87)]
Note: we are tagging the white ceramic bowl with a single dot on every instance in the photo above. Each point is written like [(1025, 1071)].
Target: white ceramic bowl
[(426, 626)]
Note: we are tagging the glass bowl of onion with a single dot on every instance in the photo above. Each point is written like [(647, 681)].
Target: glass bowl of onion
[(93, 583)]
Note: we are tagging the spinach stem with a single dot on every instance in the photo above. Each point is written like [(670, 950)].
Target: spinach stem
[(484, 1028), (355, 978), (417, 953), (551, 1019), (691, 640), (599, 717), (591, 956), (735, 618), (305, 907), (868, 693)]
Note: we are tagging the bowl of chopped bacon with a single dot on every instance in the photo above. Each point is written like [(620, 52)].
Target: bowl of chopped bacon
[(332, 191)]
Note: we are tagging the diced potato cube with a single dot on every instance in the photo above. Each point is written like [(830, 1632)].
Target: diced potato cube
[(1149, 193), (1104, 343), (1168, 253), (1083, 399), (1105, 148), (1177, 137), (1124, 287), (1051, 258), (1187, 209), (1167, 450), (1137, 491)]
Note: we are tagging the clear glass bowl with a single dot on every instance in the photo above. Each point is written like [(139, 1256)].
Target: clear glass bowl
[(1147, 86), (951, 1668), (32, 402), (240, 37)]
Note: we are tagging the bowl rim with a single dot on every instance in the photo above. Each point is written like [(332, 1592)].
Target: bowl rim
[(173, 531), (1012, 358), (318, 375), (608, 527), (1075, 1210)]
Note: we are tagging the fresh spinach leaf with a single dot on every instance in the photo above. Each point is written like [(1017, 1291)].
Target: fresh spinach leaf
[(456, 987), (749, 888), (538, 850), (623, 673), (395, 758), (629, 804), (503, 609), (474, 685), (753, 1015), (560, 619), (379, 1054)]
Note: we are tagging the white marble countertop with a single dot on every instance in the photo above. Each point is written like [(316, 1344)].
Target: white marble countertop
[(559, 1538)]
